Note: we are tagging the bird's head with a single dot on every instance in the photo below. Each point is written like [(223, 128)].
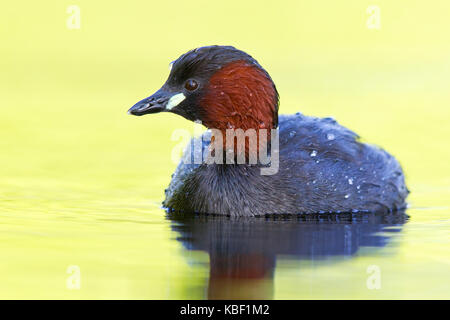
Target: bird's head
[(221, 86)]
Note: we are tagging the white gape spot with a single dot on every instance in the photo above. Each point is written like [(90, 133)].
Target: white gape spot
[(175, 100)]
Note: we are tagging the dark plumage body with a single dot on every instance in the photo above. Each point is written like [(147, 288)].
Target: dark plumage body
[(323, 168)]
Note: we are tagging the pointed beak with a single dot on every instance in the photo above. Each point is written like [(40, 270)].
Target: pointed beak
[(157, 102)]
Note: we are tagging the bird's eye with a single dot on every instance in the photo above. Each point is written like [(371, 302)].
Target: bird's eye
[(191, 85)]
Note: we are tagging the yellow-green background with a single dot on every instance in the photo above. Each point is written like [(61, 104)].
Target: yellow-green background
[(81, 182)]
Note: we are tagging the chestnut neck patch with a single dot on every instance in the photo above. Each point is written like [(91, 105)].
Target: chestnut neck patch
[(240, 96)]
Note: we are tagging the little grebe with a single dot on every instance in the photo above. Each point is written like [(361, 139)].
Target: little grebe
[(321, 166)]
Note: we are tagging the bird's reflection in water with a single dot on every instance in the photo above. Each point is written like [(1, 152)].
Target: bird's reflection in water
[(243, 251)]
